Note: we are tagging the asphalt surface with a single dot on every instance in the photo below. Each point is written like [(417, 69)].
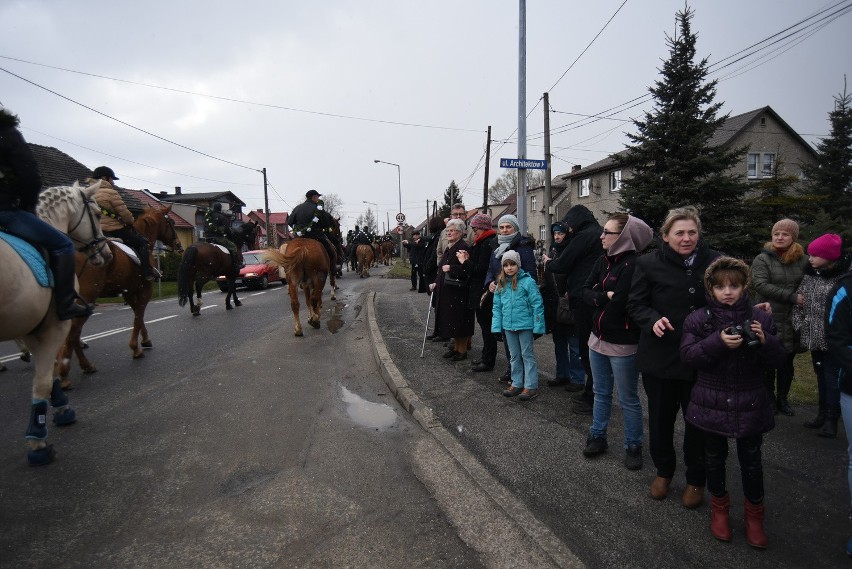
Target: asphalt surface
[(597, 508)]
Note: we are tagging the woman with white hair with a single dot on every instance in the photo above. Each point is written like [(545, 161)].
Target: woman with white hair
[(453, 318)]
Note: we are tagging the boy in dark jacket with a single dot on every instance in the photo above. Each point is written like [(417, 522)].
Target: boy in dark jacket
[(732, 345)]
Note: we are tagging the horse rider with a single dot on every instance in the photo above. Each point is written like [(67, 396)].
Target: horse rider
[(361, 237), (307, 220), (117, 221), (218, 230), (20, 185)]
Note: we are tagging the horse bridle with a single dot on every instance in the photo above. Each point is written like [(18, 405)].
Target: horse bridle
[(96, 245)]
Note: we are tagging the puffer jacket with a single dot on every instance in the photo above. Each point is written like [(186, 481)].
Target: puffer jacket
[(115, 216), (809, 319), (729, 397), (839, 330), (518, 309), (776, 282), (524, 247)]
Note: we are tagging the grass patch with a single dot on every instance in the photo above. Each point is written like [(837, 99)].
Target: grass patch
[(804, 389), (166, 289), (399, 270)]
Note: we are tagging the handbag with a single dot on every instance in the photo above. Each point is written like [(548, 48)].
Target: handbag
[(453, 281), (564, 312)]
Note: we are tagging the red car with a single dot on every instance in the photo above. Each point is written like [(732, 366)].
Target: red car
[(255, 275)]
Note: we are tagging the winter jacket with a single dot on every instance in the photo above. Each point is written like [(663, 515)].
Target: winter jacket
[(553, 286), (115, 215), (518, 309), (20, 182), (524, 247), (664, 286), (480, 258), (430, 261), (839, 330), (809, 319), (415, 252), (453, 318), (729, 397), (775, 282), (581, 254)]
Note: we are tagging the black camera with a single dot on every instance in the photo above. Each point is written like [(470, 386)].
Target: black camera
[(744, 331)]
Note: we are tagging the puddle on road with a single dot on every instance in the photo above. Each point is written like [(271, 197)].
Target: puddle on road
[(334, 322), (367, 414)]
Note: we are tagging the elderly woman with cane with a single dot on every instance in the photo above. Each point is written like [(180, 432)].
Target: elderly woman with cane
[(453, 318)]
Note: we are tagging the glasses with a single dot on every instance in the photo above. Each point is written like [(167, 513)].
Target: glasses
[(457, 214), (605, 232)]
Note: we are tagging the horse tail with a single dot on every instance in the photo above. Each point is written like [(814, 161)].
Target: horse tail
[(184, 286)]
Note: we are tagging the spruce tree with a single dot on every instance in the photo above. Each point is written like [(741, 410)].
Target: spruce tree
[(830, 180), (672, 164), (451, 195)]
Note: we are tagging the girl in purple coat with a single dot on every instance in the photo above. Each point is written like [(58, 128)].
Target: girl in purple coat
[(731, 344)]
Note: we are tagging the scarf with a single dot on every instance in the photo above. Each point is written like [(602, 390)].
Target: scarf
[(485, 235), (504, 241)]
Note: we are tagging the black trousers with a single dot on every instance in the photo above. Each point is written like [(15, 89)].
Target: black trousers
[(784, 374), (417, 281), (583, 328), (489, 342), (665, 398), (135, 241), (751, 465)]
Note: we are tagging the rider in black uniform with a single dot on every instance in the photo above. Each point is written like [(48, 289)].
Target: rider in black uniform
[(310, 221), (218, 231)]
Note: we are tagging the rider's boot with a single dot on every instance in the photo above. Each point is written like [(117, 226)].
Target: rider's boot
[(63, 289), (149, 273)]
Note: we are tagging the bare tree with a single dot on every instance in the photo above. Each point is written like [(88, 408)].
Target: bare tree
[(507, 184), (333, 204)]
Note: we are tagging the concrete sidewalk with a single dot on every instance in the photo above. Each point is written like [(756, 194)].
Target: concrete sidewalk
[(527, 458)]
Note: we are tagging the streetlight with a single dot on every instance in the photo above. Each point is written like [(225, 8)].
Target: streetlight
[(377, 213), (399, 186)]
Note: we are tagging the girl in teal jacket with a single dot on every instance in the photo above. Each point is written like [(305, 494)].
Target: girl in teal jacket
[(518, 314)]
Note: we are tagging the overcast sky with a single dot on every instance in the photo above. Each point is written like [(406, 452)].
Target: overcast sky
[(321, 89)]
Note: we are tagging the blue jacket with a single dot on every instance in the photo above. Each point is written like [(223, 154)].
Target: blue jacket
[(518, 309)]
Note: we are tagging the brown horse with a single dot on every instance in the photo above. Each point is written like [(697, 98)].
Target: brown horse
[(387, 252), (123, 276), (306, 265), (364, 253), (204, 261)]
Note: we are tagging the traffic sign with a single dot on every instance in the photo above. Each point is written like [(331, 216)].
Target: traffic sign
[(523, 163), (399, 229), (400, 217)]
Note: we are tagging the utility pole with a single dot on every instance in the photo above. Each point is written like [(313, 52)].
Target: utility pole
[(269, 243), (426, 227), (487, 163), (548, 189), (522, 116)]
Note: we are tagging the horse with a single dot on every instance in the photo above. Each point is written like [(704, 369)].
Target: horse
[(122, 276), (202, 262), (307, 266), (364, 253), (28, 311), (387, 252)]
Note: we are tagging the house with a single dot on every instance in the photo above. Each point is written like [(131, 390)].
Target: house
[(538, 219), (767, 137), (193, 206), (185, 230), (278, 223)]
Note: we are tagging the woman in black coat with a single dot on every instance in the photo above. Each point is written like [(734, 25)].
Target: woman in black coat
[(479, 257), (453, 317)]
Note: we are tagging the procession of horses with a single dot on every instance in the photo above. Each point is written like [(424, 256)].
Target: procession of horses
[(106, 267)]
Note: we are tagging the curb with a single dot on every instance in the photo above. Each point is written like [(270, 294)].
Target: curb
[(538, 533)]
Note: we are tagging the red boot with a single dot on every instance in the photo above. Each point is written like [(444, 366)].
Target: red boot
[(720, 523), (755, 534)]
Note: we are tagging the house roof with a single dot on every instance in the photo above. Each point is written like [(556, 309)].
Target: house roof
[(275, 217), (194, 198), (147, 200)]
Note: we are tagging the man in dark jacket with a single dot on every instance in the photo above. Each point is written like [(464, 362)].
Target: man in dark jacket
[(416, 250), (576, 261), (307, 221)]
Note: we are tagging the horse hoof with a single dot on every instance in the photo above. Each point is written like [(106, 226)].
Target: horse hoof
[(238, 303), (314, 324), (83, 345), (299, 334), (90, 369), (147, 345), (26, 356), (65, 417), (228, 307), (138, 356), (42, 456)]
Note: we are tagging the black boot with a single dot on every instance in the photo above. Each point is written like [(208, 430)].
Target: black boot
[(66, 295), (781, 402), (148, 272), (829, 429), (817, 421)]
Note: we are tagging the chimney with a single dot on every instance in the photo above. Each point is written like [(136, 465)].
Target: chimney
[(177, 190), (574, 168), (164, 193)]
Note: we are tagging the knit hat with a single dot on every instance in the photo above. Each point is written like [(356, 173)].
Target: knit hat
[(827, 246), (787, 225), (481, 221), (509, 218), (511, 256), (558, 227)]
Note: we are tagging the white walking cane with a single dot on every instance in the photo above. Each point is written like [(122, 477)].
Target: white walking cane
[(426, 331)]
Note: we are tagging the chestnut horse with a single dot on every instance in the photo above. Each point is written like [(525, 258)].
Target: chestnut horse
[(387, 252), (364, 253), (306, 265), (121, 277), (28, 311), (204, 261)]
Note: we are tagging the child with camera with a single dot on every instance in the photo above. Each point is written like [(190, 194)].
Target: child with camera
[(732, 345)]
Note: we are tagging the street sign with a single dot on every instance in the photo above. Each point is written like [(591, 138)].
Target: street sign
[(523, 163), (400, 217), (399, 230)]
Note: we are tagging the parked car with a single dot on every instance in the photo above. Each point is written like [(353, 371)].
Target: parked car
[(255, 275)]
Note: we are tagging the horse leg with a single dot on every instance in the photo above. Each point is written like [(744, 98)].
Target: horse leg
[(333, 282), (232, 292), (294, 306), (195, 308), (316, 304), (236, 300), (138, 325), (73, 344)]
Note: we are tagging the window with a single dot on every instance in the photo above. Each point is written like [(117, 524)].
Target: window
[(533, 201), (761, 165), (583, 187), (615, 181), (542, 233)]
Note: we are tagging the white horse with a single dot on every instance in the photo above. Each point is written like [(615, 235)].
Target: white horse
[(28, 311)]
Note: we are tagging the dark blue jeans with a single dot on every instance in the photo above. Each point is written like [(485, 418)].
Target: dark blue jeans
[(30, 228)]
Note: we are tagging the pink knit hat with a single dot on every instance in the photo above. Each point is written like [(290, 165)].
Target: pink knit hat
[(787, 225), (481, 221), (827, 246)]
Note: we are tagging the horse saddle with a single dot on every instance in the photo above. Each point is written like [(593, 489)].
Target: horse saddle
[(32, 257), (127, 251), (222, 248)]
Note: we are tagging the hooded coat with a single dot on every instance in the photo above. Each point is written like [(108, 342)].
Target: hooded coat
[(554, 286), (582, 252), (775, 282), (20, 182)]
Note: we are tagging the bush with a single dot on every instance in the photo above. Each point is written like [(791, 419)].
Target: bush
[(169, 264)]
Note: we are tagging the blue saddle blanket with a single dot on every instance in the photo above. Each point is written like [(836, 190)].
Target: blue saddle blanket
[(31, 257)]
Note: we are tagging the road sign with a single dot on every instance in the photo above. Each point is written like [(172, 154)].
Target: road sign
[(523, 163), (400, 217), (399, 230)]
